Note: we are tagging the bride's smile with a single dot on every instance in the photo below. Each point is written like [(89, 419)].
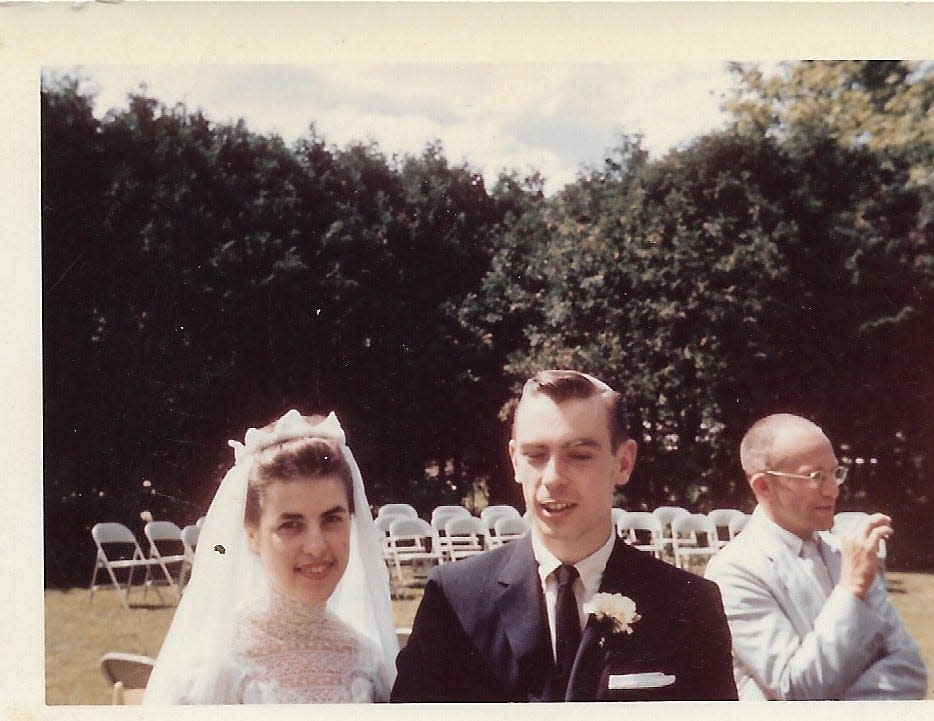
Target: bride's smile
[(317, 571)]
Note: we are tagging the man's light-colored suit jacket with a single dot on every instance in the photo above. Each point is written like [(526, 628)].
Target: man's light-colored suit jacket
[(791, 644)]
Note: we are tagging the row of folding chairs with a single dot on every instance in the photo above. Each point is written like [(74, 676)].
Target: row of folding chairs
[(452, 534), (689, 534), (168, 561), (671, 532), (686, 534), (441, 514)]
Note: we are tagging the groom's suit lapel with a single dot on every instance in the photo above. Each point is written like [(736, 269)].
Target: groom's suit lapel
[(618, 577), (520, 606)]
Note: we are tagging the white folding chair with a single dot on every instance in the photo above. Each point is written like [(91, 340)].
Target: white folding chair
[(464, 536), (189, 536), (630, 524), (684, 536), (168, 533), (397, 509), (720, 518), (128, 673), (503, 508), (508, 528), (616, 514), (665, 515), (441, 515), (491, 514), (402, 635), (382, 523), (737, 524), (844, 520), (414, 542), (111, 536), (448, 512)]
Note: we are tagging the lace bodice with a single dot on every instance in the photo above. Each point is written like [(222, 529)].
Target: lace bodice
[(285, 651)]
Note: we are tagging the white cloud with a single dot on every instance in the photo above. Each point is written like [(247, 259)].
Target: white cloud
[(394, 133), (553, 117)]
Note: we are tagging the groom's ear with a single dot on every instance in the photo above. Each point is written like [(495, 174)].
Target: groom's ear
[(625, 454)]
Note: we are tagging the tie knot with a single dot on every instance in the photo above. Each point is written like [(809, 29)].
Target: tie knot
[(565, 575)]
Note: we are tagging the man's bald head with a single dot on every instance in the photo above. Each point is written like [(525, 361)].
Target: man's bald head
[(768, 436)]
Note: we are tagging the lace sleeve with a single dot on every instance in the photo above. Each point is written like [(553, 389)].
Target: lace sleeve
[(367, 686), (224, 686)]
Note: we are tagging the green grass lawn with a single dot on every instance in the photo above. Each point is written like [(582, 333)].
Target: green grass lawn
[(77, 633)]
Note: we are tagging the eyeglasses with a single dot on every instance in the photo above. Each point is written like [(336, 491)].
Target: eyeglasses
[(818, 478)]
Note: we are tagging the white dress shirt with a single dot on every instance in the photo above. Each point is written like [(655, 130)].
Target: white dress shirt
[(585, 586)]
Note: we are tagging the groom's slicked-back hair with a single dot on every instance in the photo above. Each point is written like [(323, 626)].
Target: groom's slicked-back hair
[(564, 385)]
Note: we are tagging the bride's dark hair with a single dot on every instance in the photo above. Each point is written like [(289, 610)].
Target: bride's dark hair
[(298, 459)]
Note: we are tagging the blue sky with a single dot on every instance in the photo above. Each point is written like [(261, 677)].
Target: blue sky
[(555, 117)]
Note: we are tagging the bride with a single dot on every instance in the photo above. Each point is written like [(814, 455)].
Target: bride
[(289, 595)]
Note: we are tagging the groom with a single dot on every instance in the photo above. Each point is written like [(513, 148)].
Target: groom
[(510, 625)]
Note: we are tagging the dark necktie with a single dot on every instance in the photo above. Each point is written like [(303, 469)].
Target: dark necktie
[(567, 630)]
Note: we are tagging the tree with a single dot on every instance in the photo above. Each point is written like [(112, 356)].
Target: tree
[(734, 278), (884, 106), (428, 223), (200, 278), (165, 241), (637, 273), (73, 178), (860, 134)]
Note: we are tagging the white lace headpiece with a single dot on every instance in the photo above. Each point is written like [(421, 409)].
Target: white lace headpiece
[(226, 573), (289, 427)]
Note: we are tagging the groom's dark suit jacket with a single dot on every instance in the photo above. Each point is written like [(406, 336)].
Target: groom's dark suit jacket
[(481, 634)]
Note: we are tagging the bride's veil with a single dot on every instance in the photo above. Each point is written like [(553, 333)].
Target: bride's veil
[(226, 573)]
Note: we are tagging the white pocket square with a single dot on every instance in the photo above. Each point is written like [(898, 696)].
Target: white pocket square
[(655, 679)]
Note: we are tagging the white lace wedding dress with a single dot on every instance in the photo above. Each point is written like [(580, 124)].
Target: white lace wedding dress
[(285, 651)]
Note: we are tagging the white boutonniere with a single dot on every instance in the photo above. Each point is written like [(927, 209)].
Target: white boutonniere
[(616, 608)]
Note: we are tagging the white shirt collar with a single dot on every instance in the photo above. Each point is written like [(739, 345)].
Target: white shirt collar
[(792, 541), (590, 568)]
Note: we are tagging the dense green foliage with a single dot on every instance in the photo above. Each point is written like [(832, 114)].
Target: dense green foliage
[(199, 278)]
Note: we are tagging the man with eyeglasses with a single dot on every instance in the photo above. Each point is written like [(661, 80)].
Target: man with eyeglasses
[(809, 615)]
